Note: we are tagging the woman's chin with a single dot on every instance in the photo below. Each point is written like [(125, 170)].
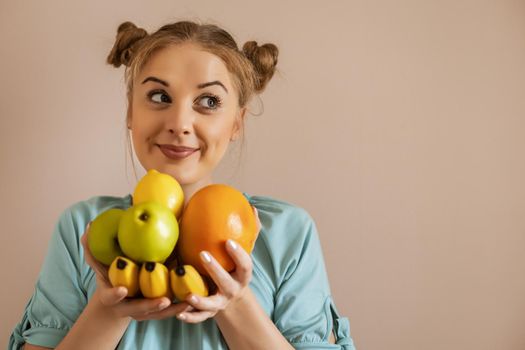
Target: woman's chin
[(182, 177), (185, 176)]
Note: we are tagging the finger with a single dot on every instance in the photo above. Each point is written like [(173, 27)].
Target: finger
[(101, 272), (103, 281), (91, 261), (140, 307), (195, 316), (224, 281), (83, 239), (112, 296), (259, 225), (171, 311), (243, 262), (96, 266), (215, 302)]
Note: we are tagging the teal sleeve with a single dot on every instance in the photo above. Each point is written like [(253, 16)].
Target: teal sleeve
[(59, 296), (304, 308)]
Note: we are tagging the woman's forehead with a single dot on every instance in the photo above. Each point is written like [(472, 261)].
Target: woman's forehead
[(185, 63)]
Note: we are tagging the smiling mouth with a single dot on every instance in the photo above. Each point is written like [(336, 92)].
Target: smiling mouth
[(176, 153)]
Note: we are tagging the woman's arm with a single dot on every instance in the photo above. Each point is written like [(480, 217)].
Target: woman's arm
[(238, 314), (246, 314), (96, 328), (108, 313), (106, 317), (245, 325)]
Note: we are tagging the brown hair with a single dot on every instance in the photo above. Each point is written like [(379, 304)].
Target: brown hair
[(251, 69)]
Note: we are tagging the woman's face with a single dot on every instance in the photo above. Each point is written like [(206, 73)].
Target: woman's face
[(184, 113)]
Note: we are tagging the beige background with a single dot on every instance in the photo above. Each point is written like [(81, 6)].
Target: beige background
[(399, 125)]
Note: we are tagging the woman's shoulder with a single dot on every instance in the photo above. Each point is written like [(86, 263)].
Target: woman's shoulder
[(283, 223), (279, 210), (97, 204), (287, 234), (87, 209)]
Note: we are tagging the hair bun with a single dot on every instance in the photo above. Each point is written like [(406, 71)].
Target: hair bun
[(128, 35), (264, 60)]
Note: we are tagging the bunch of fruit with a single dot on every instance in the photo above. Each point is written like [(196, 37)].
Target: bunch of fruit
[(139, 243)]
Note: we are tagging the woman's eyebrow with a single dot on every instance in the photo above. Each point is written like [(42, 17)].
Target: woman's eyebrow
[(200, 86), (156, 80), (216, 82)]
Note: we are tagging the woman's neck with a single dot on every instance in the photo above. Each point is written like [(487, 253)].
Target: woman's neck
[(190, 189)]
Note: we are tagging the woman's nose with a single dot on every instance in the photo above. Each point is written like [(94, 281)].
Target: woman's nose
[(180, 121)]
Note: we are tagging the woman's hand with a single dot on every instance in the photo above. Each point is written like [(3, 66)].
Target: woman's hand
[(114, 298), (230, 287)]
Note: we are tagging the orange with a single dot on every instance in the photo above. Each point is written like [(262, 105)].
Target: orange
[(213, 215)]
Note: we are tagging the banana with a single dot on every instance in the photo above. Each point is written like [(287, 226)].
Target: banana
[(124, 272), (186, 280), (154, 280)]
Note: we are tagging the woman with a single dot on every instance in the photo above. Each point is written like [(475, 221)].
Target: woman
[(188, 86)]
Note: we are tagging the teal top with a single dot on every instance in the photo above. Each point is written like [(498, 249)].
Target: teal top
[(289, 280)]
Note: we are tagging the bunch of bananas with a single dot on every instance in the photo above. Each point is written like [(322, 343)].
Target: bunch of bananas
[(154, 280)]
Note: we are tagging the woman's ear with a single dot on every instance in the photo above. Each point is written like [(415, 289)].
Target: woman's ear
[(238, 125), (128, 118)]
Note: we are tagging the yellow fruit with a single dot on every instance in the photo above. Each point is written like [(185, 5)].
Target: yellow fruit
[(186, 280), (154, 280), (213, 215), (123, 272), (162, 188)]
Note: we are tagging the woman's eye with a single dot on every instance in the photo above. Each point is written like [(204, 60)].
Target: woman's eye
[(163, 97), (210, 102)]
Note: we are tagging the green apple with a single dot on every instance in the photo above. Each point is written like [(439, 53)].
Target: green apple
[(102, 236), (148, 231)]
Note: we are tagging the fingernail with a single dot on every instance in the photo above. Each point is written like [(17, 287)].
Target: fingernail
[(164, 304), (206, 256), (232, 244), (181, 317), (193, 299)]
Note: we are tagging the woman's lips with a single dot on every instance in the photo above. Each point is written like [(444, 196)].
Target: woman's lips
[(177, 152)]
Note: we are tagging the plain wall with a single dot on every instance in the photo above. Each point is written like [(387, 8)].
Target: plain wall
[(399, 125)]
